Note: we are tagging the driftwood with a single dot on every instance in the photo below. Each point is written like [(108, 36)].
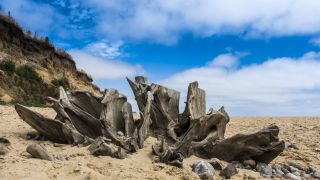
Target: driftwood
[(103, 147), (86, 101), (143, 126), (74, 125), (112, 109), (164, 110), (107, 124), (262, 146), (39, 151), (195, 105), (52, 129)]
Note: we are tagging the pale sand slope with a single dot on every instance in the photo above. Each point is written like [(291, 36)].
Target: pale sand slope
[(304, 131)]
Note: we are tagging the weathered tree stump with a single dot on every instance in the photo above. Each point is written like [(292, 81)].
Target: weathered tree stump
[(195, 104), (107, 124)]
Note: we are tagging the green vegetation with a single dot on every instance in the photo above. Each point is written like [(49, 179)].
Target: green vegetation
[(28, 103), (8, 66), (2, 102), (28, 72), (64, 82), (23, 71), (33, 104)]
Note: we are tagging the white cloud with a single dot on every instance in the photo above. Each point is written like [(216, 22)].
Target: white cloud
[(224, 61), (105, 49), (104, 69), (165, 20), (281, 86)]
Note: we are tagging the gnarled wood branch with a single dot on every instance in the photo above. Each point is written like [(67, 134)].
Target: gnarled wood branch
[(54, 130)]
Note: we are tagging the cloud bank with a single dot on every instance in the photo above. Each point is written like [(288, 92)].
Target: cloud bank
[(281, 86), (101, 68), (165, 20)]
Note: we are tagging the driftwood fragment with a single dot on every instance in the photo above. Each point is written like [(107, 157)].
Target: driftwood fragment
[(129, 144), (39, 151), (50, 128), (262, 146), (54, 130), (167, 154), (102, 147)]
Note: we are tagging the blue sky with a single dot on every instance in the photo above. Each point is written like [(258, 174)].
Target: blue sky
[(254, 57)]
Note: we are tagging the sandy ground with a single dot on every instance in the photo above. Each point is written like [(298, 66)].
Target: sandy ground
[(304, 131)]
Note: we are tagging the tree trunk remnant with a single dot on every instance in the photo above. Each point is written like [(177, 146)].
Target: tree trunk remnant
[(112, 109), (87, 102), (127, 115), (140, 90), (164, 106), (107, 124), (196, 103), (143, 125)]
